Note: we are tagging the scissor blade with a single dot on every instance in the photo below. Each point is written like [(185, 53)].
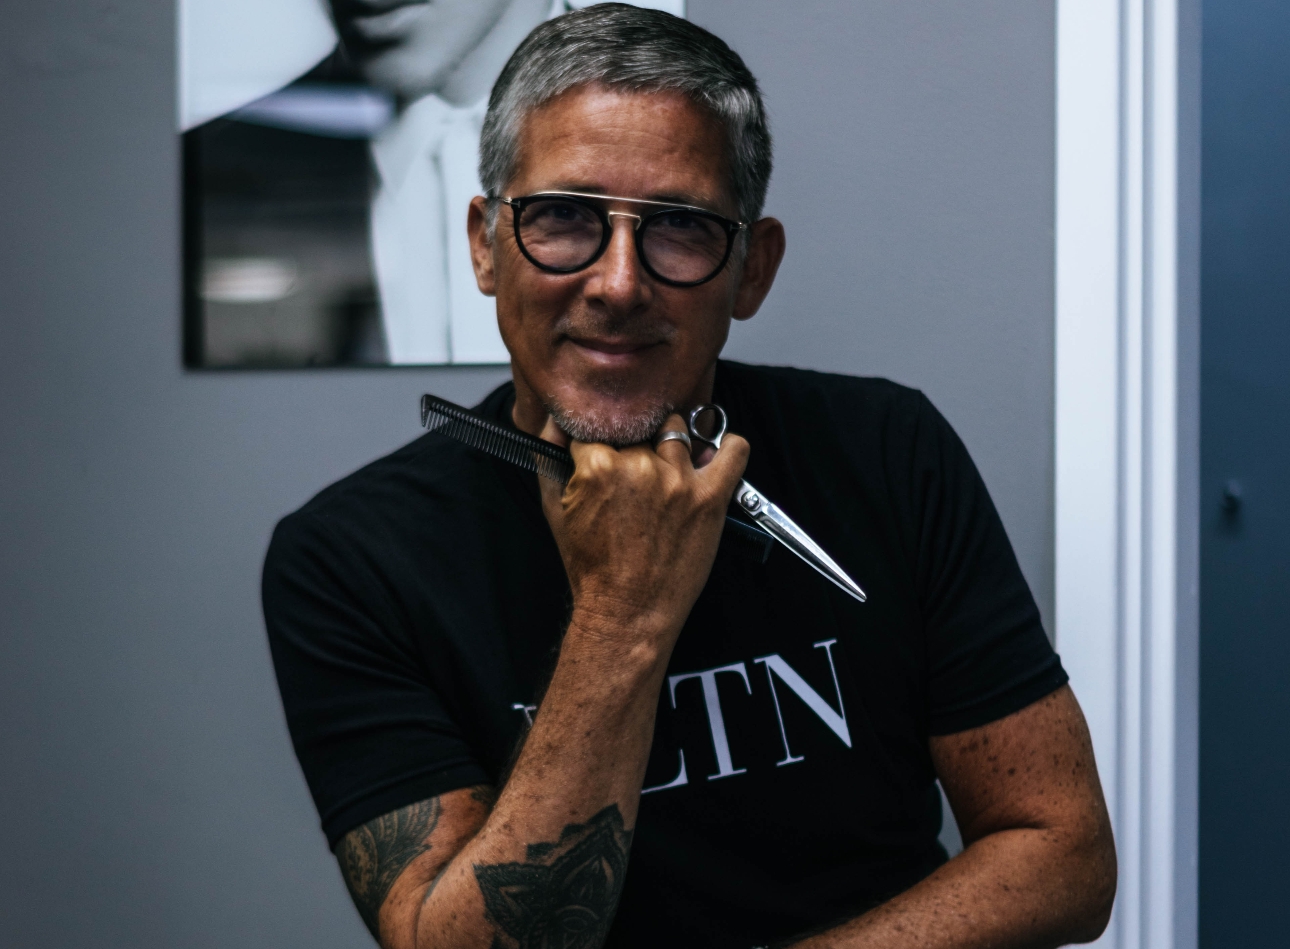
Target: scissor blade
[(782, 528)]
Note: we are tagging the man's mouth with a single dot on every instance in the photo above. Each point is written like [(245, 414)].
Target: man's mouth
[(613, 347), (610, 352), (382, 21)]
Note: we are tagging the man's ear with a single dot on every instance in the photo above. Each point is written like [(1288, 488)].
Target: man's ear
[(766, 242), (481, 248)]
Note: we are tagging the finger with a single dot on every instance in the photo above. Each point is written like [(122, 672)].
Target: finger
[(587, 456), (554, 434), (553, 491), (727, 465), (552, 501), (704, 455), (674, 451)]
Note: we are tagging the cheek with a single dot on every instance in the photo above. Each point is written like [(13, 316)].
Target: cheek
[(704, 320), (529, 304)]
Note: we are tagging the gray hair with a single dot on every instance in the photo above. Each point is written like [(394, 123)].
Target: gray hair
[(636, 50)]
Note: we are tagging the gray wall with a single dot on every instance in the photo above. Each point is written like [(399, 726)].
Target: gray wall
[(914, 172), (146, 782)]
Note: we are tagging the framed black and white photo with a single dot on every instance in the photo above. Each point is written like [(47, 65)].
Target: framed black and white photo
[(330, 151)]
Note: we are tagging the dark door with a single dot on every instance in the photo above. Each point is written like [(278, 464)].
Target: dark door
[(1245, 476)]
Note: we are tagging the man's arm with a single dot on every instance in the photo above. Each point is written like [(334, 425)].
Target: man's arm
[(1039, 865), (421, 837), (638, 531)]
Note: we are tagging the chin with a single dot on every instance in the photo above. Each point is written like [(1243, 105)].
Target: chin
[(610, 424)]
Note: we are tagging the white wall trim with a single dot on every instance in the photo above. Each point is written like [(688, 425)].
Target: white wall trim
[(1126, 452)]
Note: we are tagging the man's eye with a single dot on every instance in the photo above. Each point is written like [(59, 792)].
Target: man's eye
[(680, 220), (559, 213)]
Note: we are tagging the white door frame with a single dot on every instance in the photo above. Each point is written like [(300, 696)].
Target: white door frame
[(1127, 424)]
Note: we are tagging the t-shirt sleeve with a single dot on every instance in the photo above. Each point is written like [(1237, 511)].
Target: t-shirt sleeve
[(368, 729), (987, 653)]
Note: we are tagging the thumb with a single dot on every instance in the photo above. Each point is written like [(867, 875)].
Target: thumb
[(553, 433), (553, 491)]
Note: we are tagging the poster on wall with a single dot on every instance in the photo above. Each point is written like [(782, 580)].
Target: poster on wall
[(330, 151)]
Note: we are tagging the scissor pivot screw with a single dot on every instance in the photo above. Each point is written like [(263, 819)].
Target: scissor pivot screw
[(751, 501)]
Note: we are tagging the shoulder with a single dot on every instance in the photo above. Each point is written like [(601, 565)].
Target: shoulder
[(858, 399), (425, 486), (369, 511)]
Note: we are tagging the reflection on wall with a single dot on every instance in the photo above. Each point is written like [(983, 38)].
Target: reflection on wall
[(284, 269), (325, 203)]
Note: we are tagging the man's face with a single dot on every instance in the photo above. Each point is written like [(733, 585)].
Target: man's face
[(408, 47), (609, 351)]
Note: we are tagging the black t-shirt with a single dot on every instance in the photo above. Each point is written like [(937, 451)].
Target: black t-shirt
[(415, 609)]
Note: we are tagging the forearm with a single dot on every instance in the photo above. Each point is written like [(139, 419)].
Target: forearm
[(591, 736), (1024, 888), (575, 786), (637, 532)]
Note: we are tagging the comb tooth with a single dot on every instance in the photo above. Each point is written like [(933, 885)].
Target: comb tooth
[(517, 448), (555, 469)]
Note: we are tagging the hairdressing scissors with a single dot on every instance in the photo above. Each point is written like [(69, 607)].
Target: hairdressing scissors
[(708, 425)]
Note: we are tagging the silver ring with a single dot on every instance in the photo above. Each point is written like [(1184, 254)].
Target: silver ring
[(672, 437)]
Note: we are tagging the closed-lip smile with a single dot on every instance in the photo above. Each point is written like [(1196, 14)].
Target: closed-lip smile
[(613, 347)]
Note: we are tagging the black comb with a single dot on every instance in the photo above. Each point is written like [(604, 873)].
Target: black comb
[(508, 444), (553, 462)]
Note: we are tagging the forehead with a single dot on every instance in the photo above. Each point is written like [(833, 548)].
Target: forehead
[(658, 145)]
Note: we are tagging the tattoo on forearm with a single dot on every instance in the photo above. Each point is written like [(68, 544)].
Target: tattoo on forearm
[(372, 856), (565, 893)]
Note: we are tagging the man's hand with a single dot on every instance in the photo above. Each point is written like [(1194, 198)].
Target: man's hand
[(638, 530)]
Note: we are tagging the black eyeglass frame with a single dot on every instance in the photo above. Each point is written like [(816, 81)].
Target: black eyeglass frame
[(592, 201)]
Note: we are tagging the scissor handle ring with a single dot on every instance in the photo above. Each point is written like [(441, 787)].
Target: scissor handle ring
[(718, 433)]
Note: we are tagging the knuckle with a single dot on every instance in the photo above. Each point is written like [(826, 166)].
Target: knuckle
[(599, 462), (640, 466)]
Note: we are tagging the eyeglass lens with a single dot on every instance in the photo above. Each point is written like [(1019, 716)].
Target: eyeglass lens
[(678, 245)]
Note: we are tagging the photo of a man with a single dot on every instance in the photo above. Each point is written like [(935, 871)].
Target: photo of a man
[(330, 153)]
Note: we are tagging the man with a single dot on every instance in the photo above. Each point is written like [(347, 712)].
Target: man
[(721, 752)]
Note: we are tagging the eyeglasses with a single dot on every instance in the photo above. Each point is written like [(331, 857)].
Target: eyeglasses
[(567, 231)]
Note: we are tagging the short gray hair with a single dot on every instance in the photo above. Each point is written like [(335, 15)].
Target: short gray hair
[(636, 50)]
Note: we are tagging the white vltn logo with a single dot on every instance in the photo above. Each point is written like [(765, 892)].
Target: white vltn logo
[(776, 667)]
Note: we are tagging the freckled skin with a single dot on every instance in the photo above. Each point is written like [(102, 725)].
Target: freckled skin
[(1039, 866)]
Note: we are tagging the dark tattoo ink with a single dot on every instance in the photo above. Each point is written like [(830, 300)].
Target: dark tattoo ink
[(372, 856), (565, 894)]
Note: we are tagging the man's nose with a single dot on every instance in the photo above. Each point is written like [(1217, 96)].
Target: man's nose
[(620, 279)]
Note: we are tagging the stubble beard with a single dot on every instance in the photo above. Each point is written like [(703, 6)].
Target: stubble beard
[(607, 420), (609, 424)]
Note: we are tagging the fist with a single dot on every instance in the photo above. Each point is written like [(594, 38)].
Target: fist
[(638, 530)]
